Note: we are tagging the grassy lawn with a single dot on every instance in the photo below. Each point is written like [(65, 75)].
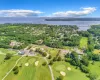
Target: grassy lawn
[(74, 74), (83, 42), (31, 72), (96, 51)]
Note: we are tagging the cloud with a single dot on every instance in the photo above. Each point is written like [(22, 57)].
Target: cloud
[(82, 12), (19, 13)]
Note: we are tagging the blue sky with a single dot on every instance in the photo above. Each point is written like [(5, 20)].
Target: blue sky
[(66, 8)]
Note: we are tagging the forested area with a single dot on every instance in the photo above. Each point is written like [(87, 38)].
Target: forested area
[(95, 31), (51, 35)]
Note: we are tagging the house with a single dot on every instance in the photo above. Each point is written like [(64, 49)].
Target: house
[(21, 52)]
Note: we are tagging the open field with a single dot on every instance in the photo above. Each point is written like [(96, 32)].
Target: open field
[(96, 51), (83, 42)]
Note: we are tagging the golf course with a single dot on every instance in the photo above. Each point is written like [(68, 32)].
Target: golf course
[(49, 52)]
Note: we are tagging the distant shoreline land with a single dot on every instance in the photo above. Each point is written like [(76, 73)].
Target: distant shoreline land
[(72, 19), (82, 23)]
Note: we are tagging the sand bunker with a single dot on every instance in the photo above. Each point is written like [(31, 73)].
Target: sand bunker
[(47, 55), (62, 73), (26, 64), (36, 63), (69, 69), (1, 52)]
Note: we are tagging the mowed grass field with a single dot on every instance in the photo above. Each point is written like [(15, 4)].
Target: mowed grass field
[(5, 51), (83, 42), (40, 72), (95, 69), (31, 72), (73, 74), (6, 65)]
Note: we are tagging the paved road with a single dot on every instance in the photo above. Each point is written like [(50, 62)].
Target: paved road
[(12, 67)]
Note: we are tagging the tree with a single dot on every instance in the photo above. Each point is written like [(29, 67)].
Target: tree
[(51, 62), (84, 69), (49, 57), (92, 76), (16, 70), (59, 58), (75, 62), (96, 57), (44, 54), (90, 47), (74, 59), (8, 56), (85, 61), (60, 78), (54, 59), (89, 55), (44, 63)]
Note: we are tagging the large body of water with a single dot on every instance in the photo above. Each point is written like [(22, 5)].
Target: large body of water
[(83, 25)]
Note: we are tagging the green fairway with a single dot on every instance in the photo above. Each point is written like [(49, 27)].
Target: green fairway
[(95, 69), (5, 51), (60, 68), (83, 42), (73, 74), (6, 65), (31, 72)]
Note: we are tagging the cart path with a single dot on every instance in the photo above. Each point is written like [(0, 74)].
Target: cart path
[(12, 67)]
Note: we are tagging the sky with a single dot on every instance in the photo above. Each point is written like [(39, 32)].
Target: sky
[(50, 8)]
